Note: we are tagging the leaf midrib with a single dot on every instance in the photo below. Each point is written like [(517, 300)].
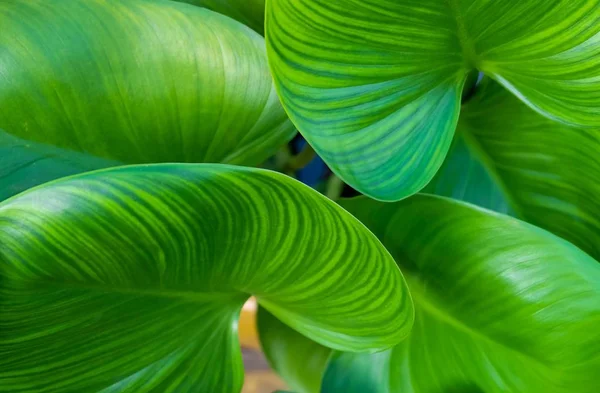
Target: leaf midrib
[(468, 49), (486, 161), (232, 297), (434, 312)]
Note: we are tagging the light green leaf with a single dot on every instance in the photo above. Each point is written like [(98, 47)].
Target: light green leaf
[(501, 305), (138, 81), (510, 159), (131, 279), (375, 86), (249, 12), (299, 361)]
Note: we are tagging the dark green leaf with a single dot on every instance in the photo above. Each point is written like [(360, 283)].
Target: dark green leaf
[(510, 159), (131, 279), (25, 164), (138, 81), (375, 86), (299, 361), (249, 12)]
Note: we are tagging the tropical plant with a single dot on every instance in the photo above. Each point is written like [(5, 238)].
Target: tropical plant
[(135, 222)]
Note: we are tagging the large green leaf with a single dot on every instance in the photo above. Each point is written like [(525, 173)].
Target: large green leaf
[(137, 81), (375, 86), (299, 361), (131, 279), (249, 12), (501, 305), (510, 159)]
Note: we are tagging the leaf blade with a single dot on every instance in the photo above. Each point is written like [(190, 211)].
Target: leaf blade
[(348, 75), (131, 278), (138, 82)]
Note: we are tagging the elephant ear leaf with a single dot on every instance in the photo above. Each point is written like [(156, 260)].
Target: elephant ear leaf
[(501, 305), (134, 82), (375, 87), (131, 279), (508, 158)]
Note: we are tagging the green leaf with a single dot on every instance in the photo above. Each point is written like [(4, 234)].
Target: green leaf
[(300, 362), (501, 305), (375, 87), (139, 81), (364, 373), (249, 12), (510, 159), (24, 164), (131, 279)]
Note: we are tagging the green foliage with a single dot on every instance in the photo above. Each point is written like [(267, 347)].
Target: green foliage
[(131, 279), (376, 87), (510, 159), (139, 81), (249, 12), (500, 305), (299, 361)]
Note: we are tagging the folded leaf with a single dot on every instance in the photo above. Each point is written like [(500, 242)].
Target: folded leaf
[(375, 86), (131, 279), (249, 12), (510, 159), (139, 81)]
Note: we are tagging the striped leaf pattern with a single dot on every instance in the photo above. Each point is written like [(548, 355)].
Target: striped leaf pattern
[(139, 81), (131, 279), (510, 159), (501, 306), (24, 164), (375, 86)]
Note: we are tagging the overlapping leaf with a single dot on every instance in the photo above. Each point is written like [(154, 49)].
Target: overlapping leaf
[(249, 12), (501, 305), (375, 86), (138, 81), (299, 361), (131, 279), (510, 159)]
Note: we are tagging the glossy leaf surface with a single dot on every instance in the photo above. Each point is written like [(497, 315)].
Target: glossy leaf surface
[(249, 12), (131, 279), (138, 81), (501, 305), (510, 159), (375, 86)]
